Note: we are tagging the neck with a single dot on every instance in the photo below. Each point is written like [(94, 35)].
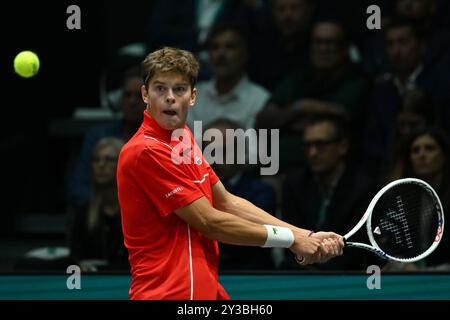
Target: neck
[(327, 179), (404, 75), (329, 73), (109, 200), (225, 85)]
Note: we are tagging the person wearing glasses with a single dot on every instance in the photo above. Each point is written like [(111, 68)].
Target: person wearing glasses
[(329, 83), (331, 192)]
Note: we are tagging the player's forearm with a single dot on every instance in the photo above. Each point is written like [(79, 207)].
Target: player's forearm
[(248, 211), (231, 229), (222, 226)]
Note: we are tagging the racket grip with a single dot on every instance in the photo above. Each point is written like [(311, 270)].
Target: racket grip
[(345, 241)]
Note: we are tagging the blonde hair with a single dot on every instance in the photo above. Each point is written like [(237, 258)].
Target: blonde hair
[(101, 195), (170, 59)]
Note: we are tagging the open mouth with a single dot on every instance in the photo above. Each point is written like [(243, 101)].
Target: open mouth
[(170, 112)]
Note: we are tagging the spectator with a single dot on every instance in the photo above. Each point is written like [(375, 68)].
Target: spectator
[(283, 45), (428, 159), (186, 24), (415, 114), (330, 193), (330, 83), (95, 230), (423, 14), (405, 48), (230, 94), (123, 128)]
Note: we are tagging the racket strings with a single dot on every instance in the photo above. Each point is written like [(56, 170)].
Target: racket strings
[(405, 221)]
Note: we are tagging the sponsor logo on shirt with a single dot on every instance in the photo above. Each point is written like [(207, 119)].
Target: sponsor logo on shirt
[(171, 193)]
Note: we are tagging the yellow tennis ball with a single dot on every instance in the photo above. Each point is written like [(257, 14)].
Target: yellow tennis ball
[(26, 64)]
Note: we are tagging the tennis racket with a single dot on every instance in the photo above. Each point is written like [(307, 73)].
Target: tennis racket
[(405, 221)]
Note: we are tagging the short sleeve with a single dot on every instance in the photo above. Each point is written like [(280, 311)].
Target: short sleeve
[(213, 178), (166, 184)]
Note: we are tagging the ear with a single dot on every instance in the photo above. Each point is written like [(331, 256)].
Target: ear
[(144, 94), (193, 97)]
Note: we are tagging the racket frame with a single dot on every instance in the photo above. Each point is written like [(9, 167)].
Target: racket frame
[(367, 215)]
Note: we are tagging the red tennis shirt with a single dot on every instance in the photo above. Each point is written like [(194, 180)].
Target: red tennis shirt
[(168, 258)]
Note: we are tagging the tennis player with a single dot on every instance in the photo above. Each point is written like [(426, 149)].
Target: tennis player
[(175, 211)]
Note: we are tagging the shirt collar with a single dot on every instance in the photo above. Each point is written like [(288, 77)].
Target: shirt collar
[(410, 83), (152, 128), (235, 93)]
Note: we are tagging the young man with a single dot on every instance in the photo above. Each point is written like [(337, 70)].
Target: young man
[(175, 209)]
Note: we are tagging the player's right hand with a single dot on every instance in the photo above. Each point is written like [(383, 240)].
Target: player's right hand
[(306, 249)]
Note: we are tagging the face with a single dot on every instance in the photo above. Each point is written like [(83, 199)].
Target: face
[(104, 166), (415, 9), (323, 151), (427, 158), (328, 50), (403, 48), (291, 16), (168, 98), (132, 104), (227, 55)]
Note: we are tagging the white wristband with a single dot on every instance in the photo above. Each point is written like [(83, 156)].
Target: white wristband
[(278, 237)]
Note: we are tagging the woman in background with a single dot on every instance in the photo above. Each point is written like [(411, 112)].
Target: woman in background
[(427, 158), (96, 238)]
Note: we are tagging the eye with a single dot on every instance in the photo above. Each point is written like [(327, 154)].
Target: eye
[(160, 88), (430, 147), (180, 90)]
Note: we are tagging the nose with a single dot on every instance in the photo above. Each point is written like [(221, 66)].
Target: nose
[(312, 150), (100, 163), (170, 98), (395, 49)]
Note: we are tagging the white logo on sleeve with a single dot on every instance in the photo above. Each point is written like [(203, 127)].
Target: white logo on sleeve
[(171, 193)]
